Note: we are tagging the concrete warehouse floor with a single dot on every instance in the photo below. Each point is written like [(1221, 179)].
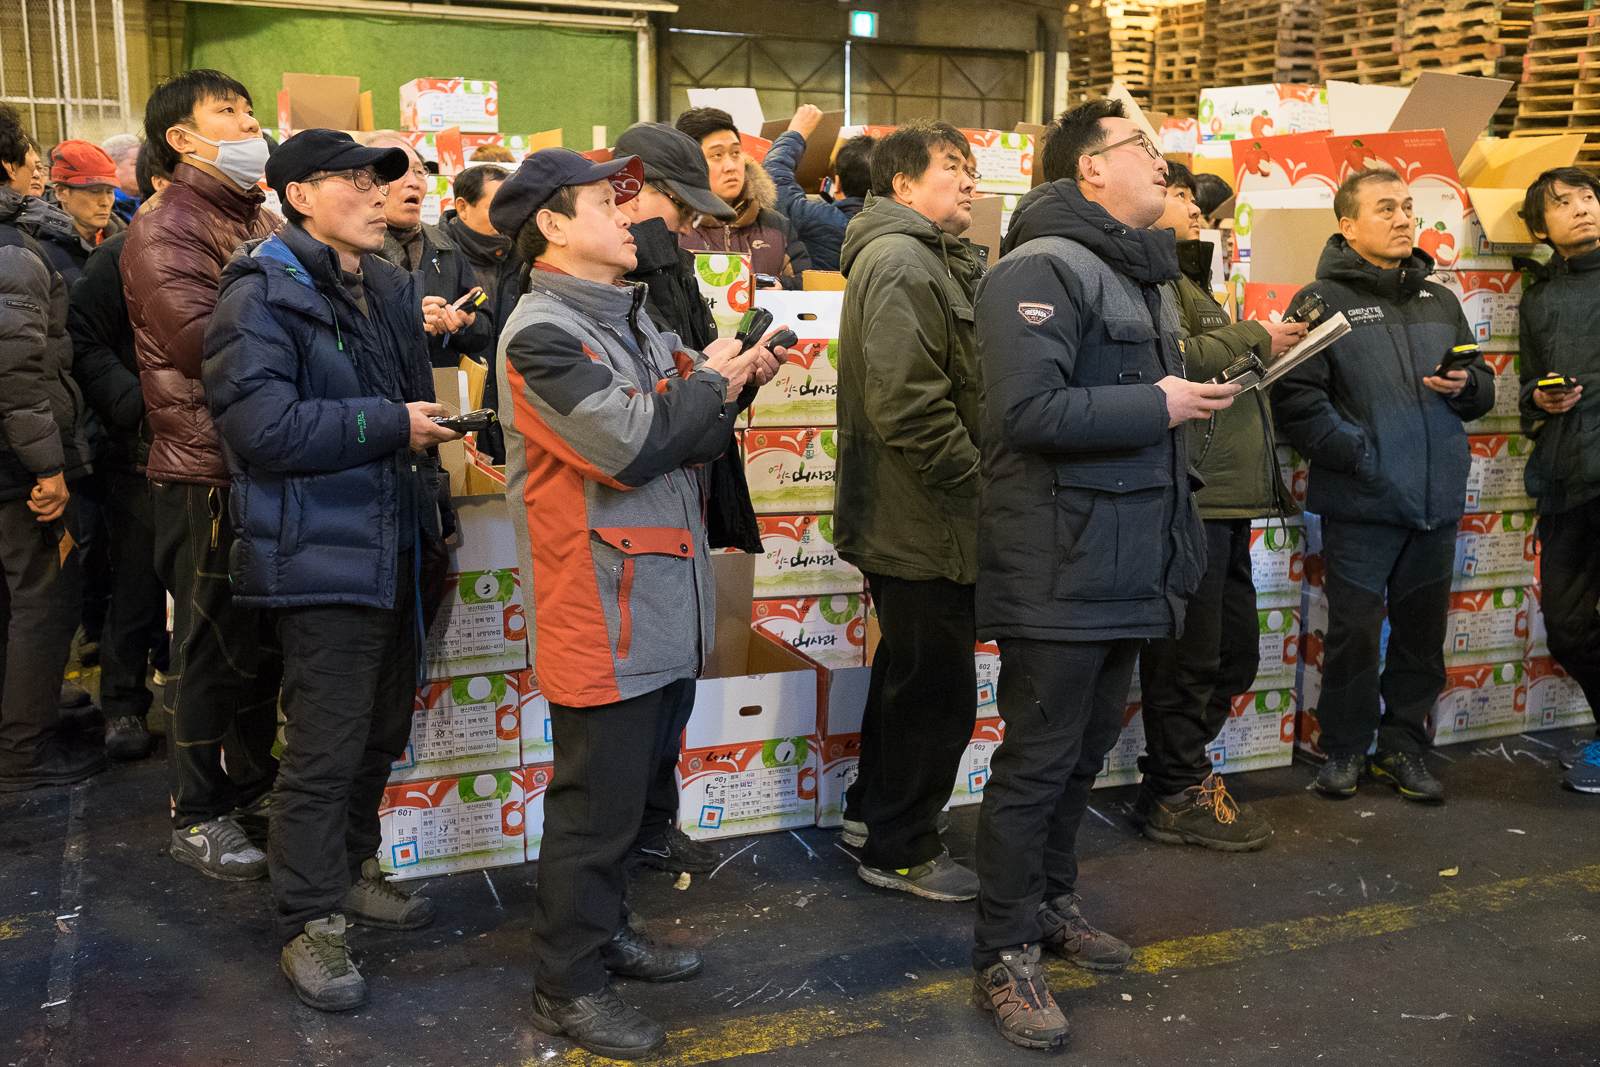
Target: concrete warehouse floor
[(1340, 944)]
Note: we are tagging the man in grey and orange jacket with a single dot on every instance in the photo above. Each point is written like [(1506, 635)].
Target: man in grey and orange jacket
[(609, 423)]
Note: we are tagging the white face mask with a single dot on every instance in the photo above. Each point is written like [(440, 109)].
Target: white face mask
[(243, 161)]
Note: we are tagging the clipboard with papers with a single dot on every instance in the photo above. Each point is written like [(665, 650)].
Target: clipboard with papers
[(1250, 373)]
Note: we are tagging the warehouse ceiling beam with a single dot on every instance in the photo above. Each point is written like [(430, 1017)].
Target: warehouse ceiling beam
[(635, 22)]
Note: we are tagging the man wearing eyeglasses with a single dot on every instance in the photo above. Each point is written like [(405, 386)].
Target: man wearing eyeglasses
[(432, 256), (318, 378), (1090, 540)]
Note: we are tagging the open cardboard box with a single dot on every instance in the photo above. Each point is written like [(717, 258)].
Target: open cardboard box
[(749, 757), (471, 473), (323, 101)]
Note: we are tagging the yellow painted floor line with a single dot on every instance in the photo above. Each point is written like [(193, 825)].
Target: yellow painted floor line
[(949, 991), (28, 922)]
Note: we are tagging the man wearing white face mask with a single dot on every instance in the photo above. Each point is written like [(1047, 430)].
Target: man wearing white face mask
[(222, 688)]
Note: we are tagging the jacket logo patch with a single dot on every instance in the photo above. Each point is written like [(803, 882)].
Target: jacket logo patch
[(1036, 314), (1356, 316), (23, 305)]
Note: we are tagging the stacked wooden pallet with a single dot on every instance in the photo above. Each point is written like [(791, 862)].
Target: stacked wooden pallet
[(1482, 37), (1185, 54), (1359, 41), (1560, 90), (1109, 42), (1263, 41)]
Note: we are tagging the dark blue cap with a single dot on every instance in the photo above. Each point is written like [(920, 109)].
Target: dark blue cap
[(544, 172), (311, 151)]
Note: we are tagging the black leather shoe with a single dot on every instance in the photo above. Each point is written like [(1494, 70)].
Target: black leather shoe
[(1340, 775), (58, 763), (632, 955), (678, 853), (600, 1022), (1408, 774)]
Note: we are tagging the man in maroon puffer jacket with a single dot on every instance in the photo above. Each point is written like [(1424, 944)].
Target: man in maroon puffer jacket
[(222, 689)]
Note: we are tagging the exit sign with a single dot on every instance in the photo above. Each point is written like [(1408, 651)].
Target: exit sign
[(863, 24)]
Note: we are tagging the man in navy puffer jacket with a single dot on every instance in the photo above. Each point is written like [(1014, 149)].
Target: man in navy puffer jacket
[(316, 374)]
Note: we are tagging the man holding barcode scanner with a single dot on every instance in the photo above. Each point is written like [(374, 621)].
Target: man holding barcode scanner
[(610, 424), (1379, 415), (1560, 320)]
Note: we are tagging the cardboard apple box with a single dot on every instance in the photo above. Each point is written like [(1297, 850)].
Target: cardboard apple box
[(1285, 171), (1231, 113), (461, 726), (790, 469), (1179, 136), (480, 627), (538, 743), (987, 655), (535, 783), (841, 703), (749, 757), (1505, 416), (972, 774), (798, 558), (1494, 550), (443, 825), (1487, 626), (725, 283), (1486, 700), (438, 198), (1494, 482), (1489, 299), (1279, 643), (438, 103), (1121, 764), (1296, 471), (1258, 733), (1554, 698), (1266, 301), (805, 391), (1538, 637), (829, 629), (1004, 160), (1277, 561)]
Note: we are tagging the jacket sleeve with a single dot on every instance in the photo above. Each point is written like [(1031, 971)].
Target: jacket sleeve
[(1476, 398), (172, 285), (250, 381), (1302, 407), (26, 420), (1027, 369), (575, 407), (1206, 355), (904, 341), (97, 319), (1535, 364), (783, 159)]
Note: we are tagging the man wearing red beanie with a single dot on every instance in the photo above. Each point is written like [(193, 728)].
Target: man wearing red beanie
[(85, 179)]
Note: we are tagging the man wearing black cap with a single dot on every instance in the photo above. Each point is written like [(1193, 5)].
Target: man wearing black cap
[(317, 377), (610, 423)]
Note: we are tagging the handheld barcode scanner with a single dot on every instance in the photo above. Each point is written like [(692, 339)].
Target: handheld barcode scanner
[(1312, 310), (1246, 373), (1458, 358), (756, 322), (1558, 384)]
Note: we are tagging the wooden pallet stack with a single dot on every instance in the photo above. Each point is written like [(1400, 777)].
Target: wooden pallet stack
[(1109, 42), (1264, 41), (1185, 55), (1487, 38), (1560, 90), (1359, 41)]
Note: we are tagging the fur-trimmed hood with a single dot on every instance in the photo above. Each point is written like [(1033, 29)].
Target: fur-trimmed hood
[(759, 192)]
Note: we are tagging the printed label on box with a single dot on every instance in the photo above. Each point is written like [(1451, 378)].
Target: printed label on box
[(748, 788), (1489, 299), (832, 629), (439, 103), (1494, 550), (437, 199), (1279, 638), (1258, 733), (452, 824), (1487, 626), (1277, 562), (1494, 482), (725, 283), (1486, 700), (1505, 416), (972, 774), (987, 655), (1554, 697), (1004, 160), (480, 626), (805, 391), (799, 559), (791, 470), (462, 725)]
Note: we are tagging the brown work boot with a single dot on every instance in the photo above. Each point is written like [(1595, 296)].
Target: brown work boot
[(1014, 995), (1068, 934), (1206, 815)]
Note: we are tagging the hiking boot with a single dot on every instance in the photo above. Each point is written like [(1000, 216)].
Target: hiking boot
[(941, 878), (1585, 773), (126, 738), (1068, 934), (219, 849), (632, 955), (58, 763), (599, 1022), (1013, 994), (1206, 815), (678, 853), (255, 818), (854, 833), (1340, 775), (318, 965), (1571, 752), (1408, 774), (374, 902)]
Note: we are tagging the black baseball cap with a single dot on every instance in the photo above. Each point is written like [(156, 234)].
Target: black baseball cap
[(672, 158), (313, 151), (543, 172)]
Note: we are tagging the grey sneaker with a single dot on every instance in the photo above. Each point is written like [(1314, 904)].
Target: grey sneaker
[(1068, 934), (1408, 774), (1571, 752), (374, 902), (219, 849), (1341, 774), (854, 833), (1014, 996), (600, 1022), (318, 965), (941, 878), (1584, 776)]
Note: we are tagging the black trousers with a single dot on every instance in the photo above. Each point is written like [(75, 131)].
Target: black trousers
[(95, 551), (605, 760), (1569, 584), (922, 702), (1063, 704), (136, 619), (1363, 560), (222, 688), (39, 604), (661, 800), (1188, 683), (349, 687)]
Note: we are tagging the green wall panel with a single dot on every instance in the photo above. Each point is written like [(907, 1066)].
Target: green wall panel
[(548, 76)]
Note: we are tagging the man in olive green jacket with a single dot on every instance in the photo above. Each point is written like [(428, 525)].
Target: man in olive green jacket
[(906, 500), (1188, 683)]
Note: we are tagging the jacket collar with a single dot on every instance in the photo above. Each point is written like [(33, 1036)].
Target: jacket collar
[(1343, 264), (655, 245), (884, 215), (1059, 209), (226, 197), (481, 248), (1194, 259), (613, 304)]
